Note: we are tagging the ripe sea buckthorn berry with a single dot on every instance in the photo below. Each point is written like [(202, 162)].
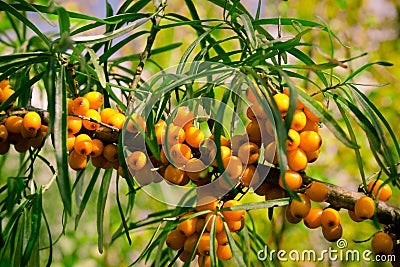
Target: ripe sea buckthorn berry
[(194, 136), (382, 243), (70, 142), (117, 120), (188, 226), (233, 215), (190, 242), (249, 173), (250, 113), (206, 203), (312, 156), (174, 135), (385, 192), (225, 153), (32, 121), (77, 161), (222, 140), (222, 238), (97, 148), (196, 169), (3, 133), (310, 115), (258, 111), (330, 218), (353, 216), (233, 167), (299, 104), (96, 99), (136, 124), (175, 239), (310, 141), (219, 226), (21, 145), (297, 159), (4, 147), (237, 141), (299, 120), (163, 157), (224, 252), (270, 153), (201, 222), (311, 126), (254, 132), (313, 219), (13, 124), (204, 261), (185, 256), (300, 209), (27, 134), (183, 117), (110, 152), (80, 106), (248, 153), (4, 83), (364, 207), (289, 216), (106, 113), (235, 226), (74, 124), (137, 160), (160, 130), (204, 244), (37, 141), (6, 93), (70, 104), (174, 175), (99, 162), (83, 145), (293, 180), (317, 191), (180, 154), (332, 234), (282, 101), (91, 125), (293, 141)]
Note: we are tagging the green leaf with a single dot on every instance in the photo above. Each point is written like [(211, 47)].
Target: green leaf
[(249, 30), (99, 70), (121, 212), (36, 217), (63, 20), (15, 188), (101, 204), (361, 69), (237, 257), (60, 139)]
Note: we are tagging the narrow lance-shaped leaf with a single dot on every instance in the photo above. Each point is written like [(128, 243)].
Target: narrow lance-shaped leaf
[(101, 204), (99, 70)]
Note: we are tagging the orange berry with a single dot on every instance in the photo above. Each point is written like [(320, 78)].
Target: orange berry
[(233, 167), (206, 203), (330, 218), (32, 121), (219, 226), (174, 136), (117, 120), (3, 133), (137, 160), (204, 244), (180, 154), (270, 153), (77, 161), (188, 226), (313, 219), (297, 159), (382, 243), (332, 234), (190, 242), (4, 147), (196, 169), (248, 174), (282, 101), (222, 238), (233, 215), (70, 104), (293, 141), (300, 209), (299, 120), (204, 261), (27, 134), (100, 162), (254, 132), (97, 148), (310, 115), (293, 180), (237, 141), (83, 145), (96, 99), (110, 152), (290, 217), (22, 145), (364, 207), (225, 153), (160, 130), (174, 175), (317, 191), (4, 83), (13, 124), (201, 222), (385, 192), (74, 124), (222, 140), (134, 122), (80, 106), (310, 141), (91, 125), (224, 252), (312, 156), (183, 117), (235, 226), (248, 153), (70, 142), (185, 256), (311, 126), (250, 113), (106, 113), (6, 93), (353, 216), (175, 239), (194, 136)]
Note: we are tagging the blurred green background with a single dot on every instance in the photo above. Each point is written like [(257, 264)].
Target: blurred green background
[(371, 26)]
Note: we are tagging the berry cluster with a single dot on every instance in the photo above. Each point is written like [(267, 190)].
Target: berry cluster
[(196, 229)]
